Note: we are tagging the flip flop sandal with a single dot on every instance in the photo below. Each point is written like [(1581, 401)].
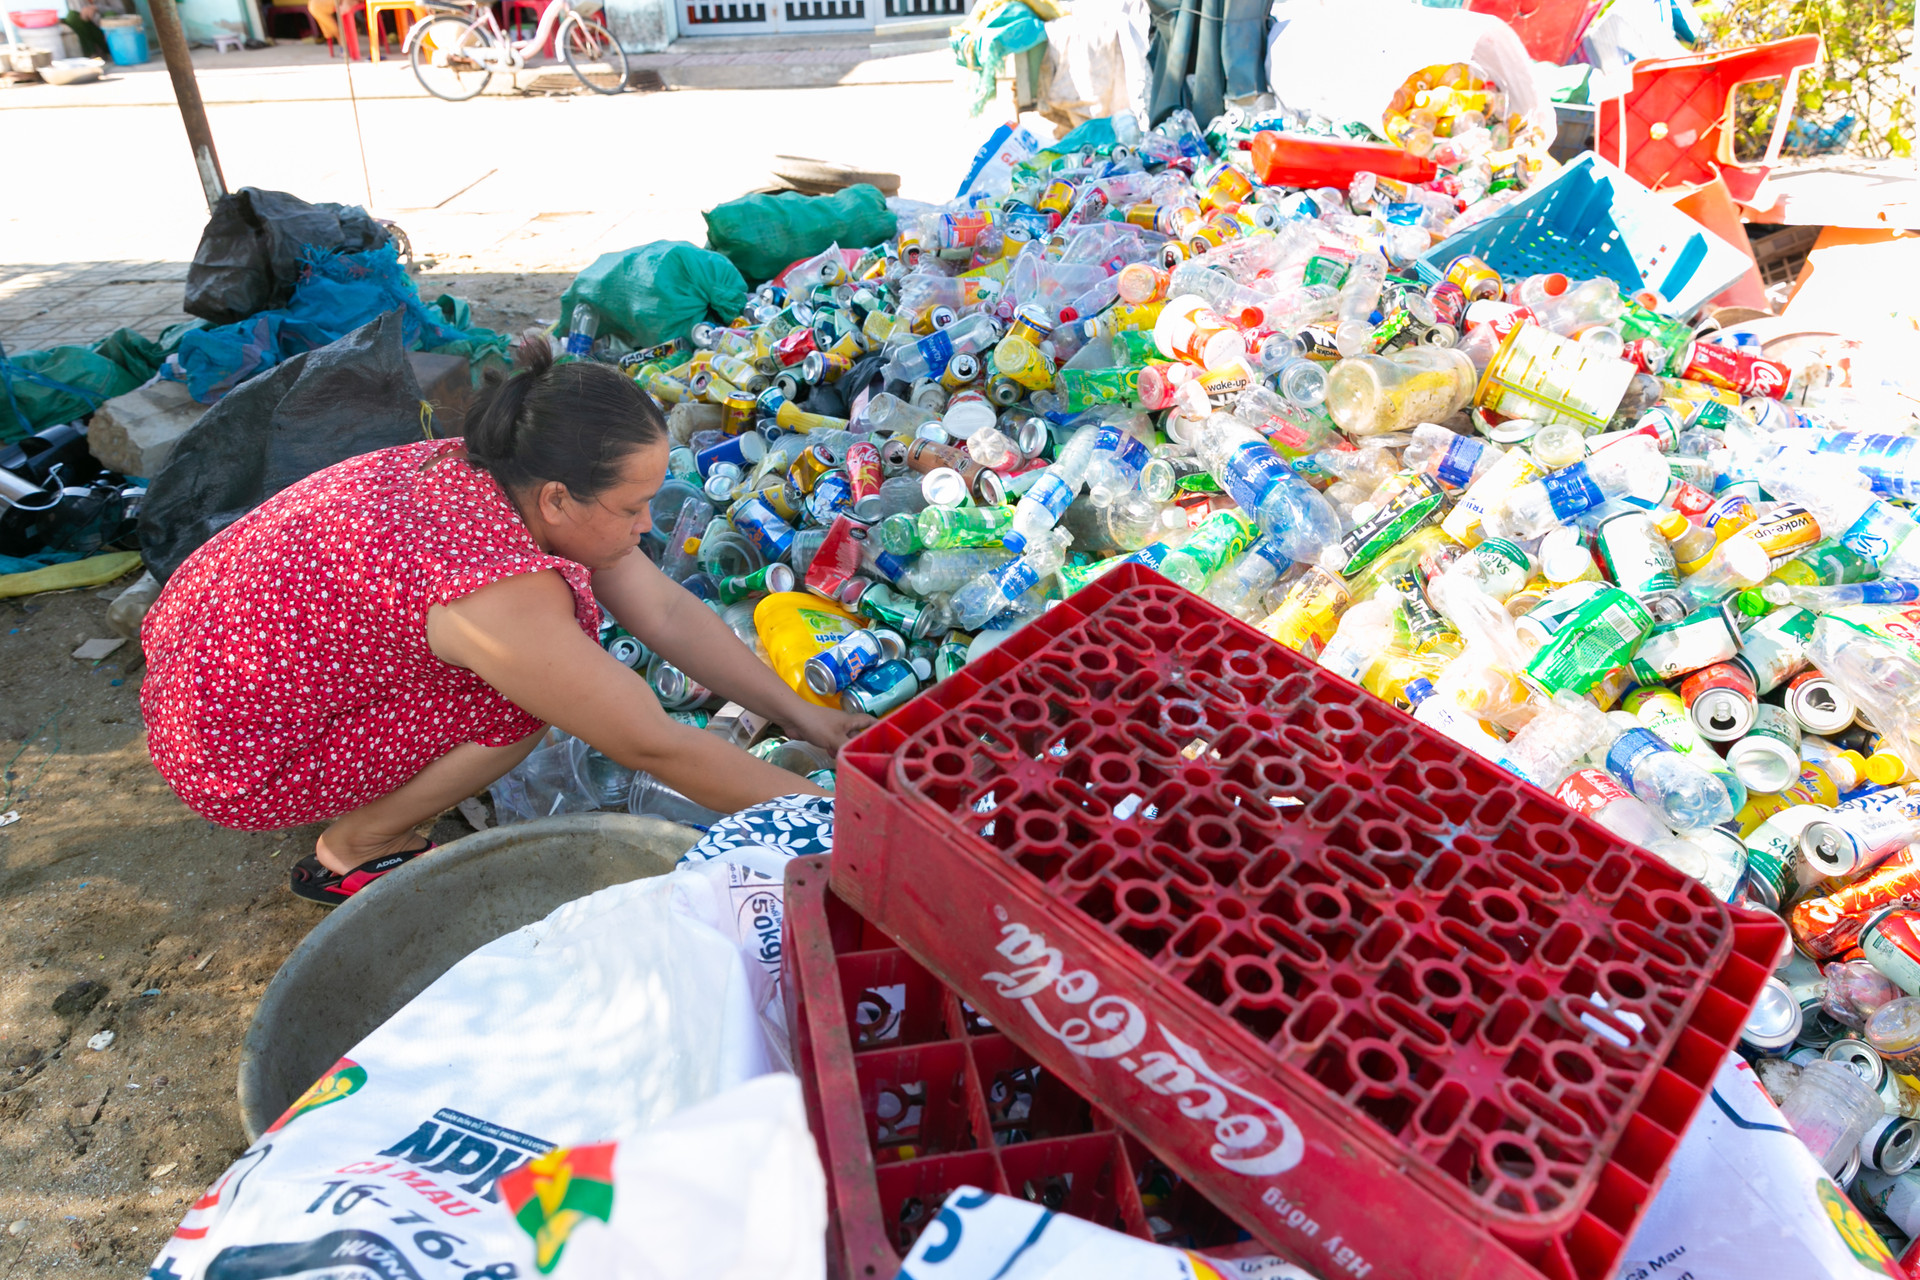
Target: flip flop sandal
[(315, 882)]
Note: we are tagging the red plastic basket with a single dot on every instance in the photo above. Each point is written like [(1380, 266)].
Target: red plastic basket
[(874, 1034), (1399, 1013)]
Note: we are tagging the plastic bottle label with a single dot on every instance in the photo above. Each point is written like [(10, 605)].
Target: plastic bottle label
[(1631, 749), (1457, 463), (1877, 532), (936, 349), (1124, 446), (1016, 579), (1051, 493), (1251, 471), (1269, 550), (1571, 490), (1887, 462), (1589, 791)]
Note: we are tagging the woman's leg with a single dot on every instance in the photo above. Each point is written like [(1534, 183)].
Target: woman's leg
[(385, 826)]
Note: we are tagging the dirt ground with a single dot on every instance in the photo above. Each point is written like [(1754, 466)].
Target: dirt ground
[(107, 878)]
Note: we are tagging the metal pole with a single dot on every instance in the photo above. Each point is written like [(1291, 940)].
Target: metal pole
[(186, 91)]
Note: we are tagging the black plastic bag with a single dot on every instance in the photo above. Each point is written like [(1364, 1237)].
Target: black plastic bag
[(249, 255), (321, 407)]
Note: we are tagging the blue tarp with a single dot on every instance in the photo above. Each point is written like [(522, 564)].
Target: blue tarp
[(337, 293)]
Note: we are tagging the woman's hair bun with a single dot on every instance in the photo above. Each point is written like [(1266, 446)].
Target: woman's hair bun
[(574, 423)]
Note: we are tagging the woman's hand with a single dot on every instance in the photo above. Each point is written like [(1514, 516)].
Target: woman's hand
[(826, 728)]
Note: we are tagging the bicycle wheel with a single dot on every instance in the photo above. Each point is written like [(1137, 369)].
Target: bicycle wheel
[(594, 55), (443, 58)]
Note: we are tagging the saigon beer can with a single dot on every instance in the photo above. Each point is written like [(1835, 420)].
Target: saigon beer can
[(832, 496), (1767, 760), (1774, 648), (1849, 841), (1735, 370), (1721, 700), (1675, 649)]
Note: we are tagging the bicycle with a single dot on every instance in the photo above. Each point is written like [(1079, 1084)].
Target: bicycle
[(455, 53)]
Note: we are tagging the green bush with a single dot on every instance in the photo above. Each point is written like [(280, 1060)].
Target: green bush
[(1865, 42)]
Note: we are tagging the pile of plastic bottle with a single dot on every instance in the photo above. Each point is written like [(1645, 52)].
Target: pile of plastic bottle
[(1664, 577)]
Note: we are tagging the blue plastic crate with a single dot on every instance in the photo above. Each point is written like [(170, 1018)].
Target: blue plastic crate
[(1591, 220)]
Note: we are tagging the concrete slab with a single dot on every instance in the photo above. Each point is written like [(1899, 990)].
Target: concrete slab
[(135, 433)]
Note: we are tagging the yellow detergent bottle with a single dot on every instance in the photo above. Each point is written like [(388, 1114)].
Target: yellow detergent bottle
[(793, 627)]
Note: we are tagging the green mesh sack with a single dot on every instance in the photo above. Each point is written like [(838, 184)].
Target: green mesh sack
[(657, 292), (764, 235)]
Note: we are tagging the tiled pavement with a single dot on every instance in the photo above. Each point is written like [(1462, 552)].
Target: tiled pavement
[(51, 304)]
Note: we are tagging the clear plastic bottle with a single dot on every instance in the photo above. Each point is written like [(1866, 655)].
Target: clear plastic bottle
[(1285, 507), (683, 543), (946, 571), (1595, 793), (1437, 711), (1241, 588), (581, 330), (1685, 794), (1222, 536), (990, 594), (1456, 461), (1365, 630), (1114, 469), (1359, 295), (651, 798), (1373, 395), (926, 357), (992, 449), (1044, 501), (1634, 467)]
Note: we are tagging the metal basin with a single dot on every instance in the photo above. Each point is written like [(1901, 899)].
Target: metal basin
[(385, 945)]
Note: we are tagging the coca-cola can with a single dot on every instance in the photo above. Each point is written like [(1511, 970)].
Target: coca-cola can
[(1735, 369), (864, 476)]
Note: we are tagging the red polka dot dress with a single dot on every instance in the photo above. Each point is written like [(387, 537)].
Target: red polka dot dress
[(288, 674)]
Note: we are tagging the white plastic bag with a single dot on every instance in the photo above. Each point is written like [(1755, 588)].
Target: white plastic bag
[(1744, 1199), (1344, 58), (981, 1236), (616, 1012), (729, 1189), (1096, 63)]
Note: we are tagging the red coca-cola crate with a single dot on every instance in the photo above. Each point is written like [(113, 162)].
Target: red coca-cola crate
[(1399, 1013), (911, 1093)]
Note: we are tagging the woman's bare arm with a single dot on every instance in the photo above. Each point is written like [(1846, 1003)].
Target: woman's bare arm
[(520, 636), (672, 622)]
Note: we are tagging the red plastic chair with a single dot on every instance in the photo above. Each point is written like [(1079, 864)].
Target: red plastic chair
[(513, 11), (1549, 28), (1670, 128)]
